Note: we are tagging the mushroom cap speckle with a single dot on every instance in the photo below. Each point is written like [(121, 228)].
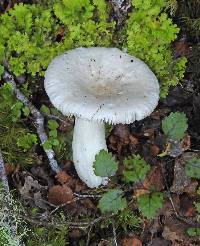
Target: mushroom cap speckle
[(102, 84)]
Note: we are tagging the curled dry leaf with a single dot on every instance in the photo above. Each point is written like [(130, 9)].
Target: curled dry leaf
[(131, 242), (59, 195), (63, 177)]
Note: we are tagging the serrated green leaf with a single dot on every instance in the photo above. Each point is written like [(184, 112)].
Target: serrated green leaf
[(192, 168), (44, 109), (53, 133), (26, 111), (53, 124), (112, 201), (47, 145), (135, 169), (193, 232), (55, 142), (150, 203), (105, 164), (175, 125)]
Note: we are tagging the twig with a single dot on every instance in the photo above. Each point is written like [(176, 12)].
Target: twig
[(38, 118), (87, 195), (3, 175), (114, 235), (91, 224)]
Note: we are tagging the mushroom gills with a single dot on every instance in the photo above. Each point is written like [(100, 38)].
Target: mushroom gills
[(88, 140)]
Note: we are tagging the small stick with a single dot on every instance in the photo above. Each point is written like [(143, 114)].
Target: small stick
[(3, 175), (38, 118), (114, 235)]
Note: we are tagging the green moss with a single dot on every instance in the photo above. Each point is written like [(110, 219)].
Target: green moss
[(11, 130), (149, 35), (32, 35)]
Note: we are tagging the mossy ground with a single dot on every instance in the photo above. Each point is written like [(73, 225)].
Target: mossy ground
[(135, 138)]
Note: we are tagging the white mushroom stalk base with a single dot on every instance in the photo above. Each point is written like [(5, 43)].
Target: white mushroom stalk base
[(88, 140)]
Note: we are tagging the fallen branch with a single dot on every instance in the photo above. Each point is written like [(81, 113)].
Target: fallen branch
[(3, 175), (38, 118)]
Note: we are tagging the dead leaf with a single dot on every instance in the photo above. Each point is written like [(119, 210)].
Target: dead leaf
[(153, 180), (30, 187), (63, 177), (59, 195), (187, 207), (131, 242), (39, 201), (182, 48), (154, 150), (9, 168), (158, 241), (183, 183), (176, 148), (148, 132), (75, 233), (175, 231), (186, 143), (133, 140), (122, 131)]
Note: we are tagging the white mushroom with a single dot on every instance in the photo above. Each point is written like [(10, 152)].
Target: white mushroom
[(99, 85)]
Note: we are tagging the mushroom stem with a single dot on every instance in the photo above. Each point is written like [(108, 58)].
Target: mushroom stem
[(88, 140)]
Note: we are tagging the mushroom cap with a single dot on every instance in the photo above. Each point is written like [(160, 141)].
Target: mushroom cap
[(102, 84)]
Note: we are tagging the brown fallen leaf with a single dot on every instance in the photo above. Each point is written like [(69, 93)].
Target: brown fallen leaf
[(62, 177), (131, 242), (183, 183), (148, 132), (176, 231), (186, 143), (153, 180), (154, 149), (9, 168), (122, 131), (133, 140), (59, 195), (159, 241), (181, 47), (75, 233), (30, 187)]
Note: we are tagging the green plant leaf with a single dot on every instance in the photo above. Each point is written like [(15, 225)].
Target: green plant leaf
[(55, 142), (53, 133), (150, 203), (135, 169), (193, 232), (192, 168), (44, 109), (175, 125), (27, 141), (47, 145), (53, 125), (105, 164), (26, 111), (112, 201)]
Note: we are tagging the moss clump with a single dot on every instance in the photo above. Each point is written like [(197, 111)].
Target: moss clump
[(149, 36), (11, 130), (32, 35)]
